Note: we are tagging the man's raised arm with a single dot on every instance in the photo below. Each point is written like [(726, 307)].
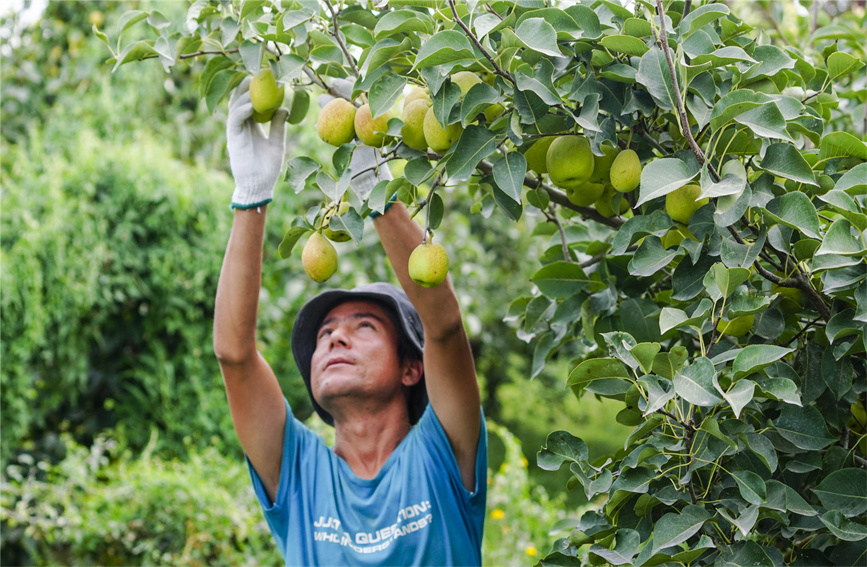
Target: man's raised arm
[(255, 398), (450, 373)]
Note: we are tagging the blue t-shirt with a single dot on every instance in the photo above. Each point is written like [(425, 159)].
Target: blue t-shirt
[(416, 510)]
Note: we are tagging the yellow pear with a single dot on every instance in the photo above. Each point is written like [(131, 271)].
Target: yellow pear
[(626, 171), (319, 258), (681, 203), (604, 205), (265, 95), (537, 155), (570, 162), (367, 127), (415, 94), (440, 139), (336, 122), (466, 80), (602, 164), (429, 264), (413, 124), (337, 235)]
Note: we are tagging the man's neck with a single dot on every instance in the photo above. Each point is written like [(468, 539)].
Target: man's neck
[(365, 441)]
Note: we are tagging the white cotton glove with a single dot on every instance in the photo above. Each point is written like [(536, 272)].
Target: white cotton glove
[(256, 159), (364, 158)]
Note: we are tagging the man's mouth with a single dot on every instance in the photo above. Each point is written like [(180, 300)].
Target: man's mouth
[(334, 361)]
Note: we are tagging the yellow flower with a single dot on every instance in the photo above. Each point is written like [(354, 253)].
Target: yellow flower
[(531, 550), (498, 514)]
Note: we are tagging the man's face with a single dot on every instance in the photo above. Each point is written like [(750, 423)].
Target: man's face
[(356, 356)]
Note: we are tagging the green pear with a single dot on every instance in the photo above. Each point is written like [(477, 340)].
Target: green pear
[(265, 95), (413, 124), (737, 327), (626, 171), (570, 162), (466, 80), (336, 122), (336, 235), (604, 204), (415, 94), (537, 155), (681, 203), (585, 194), (602, 164), (368, 129), (429, 264), (319, 258), (440, 139)]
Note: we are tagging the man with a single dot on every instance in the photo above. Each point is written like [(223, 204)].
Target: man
[(391, 370)]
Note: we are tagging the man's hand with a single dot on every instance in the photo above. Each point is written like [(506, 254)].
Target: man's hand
[(256, 159)]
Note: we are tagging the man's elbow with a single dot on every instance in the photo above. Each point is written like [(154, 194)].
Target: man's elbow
[(233, 355)]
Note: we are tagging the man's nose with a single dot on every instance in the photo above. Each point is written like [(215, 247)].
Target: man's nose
[(339, 336)]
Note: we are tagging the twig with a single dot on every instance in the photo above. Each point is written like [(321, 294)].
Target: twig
[(205, 52), (681, 110), (551, 215), (340, 39), (594, 260), (642, 131), (475, 40), (802, 331)]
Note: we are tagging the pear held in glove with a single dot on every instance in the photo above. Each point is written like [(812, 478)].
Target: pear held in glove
[(319, 258), (265, 95), (429, 264)]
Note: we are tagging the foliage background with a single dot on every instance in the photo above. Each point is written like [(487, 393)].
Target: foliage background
[(114, 219)]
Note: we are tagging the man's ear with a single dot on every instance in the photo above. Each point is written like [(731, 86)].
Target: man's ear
[(412, 373)]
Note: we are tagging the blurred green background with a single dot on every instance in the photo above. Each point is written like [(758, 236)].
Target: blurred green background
[(117, 444)]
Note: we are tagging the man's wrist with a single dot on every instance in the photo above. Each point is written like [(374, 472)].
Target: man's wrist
[(374, 215)]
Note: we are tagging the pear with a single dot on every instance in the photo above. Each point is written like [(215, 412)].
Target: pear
[(319, 258), (440, 139), (337, 235), (585, 194), (681, 203), (626, 171), (429, 264), (536, 156), (465, 80), (417, 93), (570, 162), (265, 95), (368, 128), (336, 122), (737, 327), (413, 124)]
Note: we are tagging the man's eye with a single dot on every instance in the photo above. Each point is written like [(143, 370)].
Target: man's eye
[(324, 333)]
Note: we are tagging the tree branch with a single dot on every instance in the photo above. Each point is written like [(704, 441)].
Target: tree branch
[(340, 39), (478, 44), (681, 110)]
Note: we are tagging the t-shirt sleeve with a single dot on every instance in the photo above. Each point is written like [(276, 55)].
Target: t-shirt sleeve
[(434, 436), (275, 512)]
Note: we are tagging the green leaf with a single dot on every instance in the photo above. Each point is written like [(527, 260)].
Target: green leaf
[(218, 88), (739, 395), (659, 391), (635, 480), (688, 278), (755, 357), (509, 173), (135, 51), (290, 239), (560, 280), (651, 257), (447, 46), (289, 67), (645, 353), (351, 222), (654, 75), (540, 82), (403, 21), (625, 548), (695, 383), (596, 369), (751, 486), (854, 182), (700, 17), (299, 107), (733, 104), (844, 529), (298, 170), (479, 97), (539, 35), (844, 490), (796, 211), (786, 161), (673, 529), (749, 554), (804, 427), (129, 19), (762, 447), (662, 176), (384, 92), (841, 63), (251, 55), (624, 44), (771, 59), (841, 144), (721, 282), (656, 223), (765, 121), (475, 144), (723, 56), (840, 240), (250, 6), (561, 446), (846, 206)]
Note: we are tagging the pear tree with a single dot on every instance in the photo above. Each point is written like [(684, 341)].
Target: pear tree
[(727, 318)]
